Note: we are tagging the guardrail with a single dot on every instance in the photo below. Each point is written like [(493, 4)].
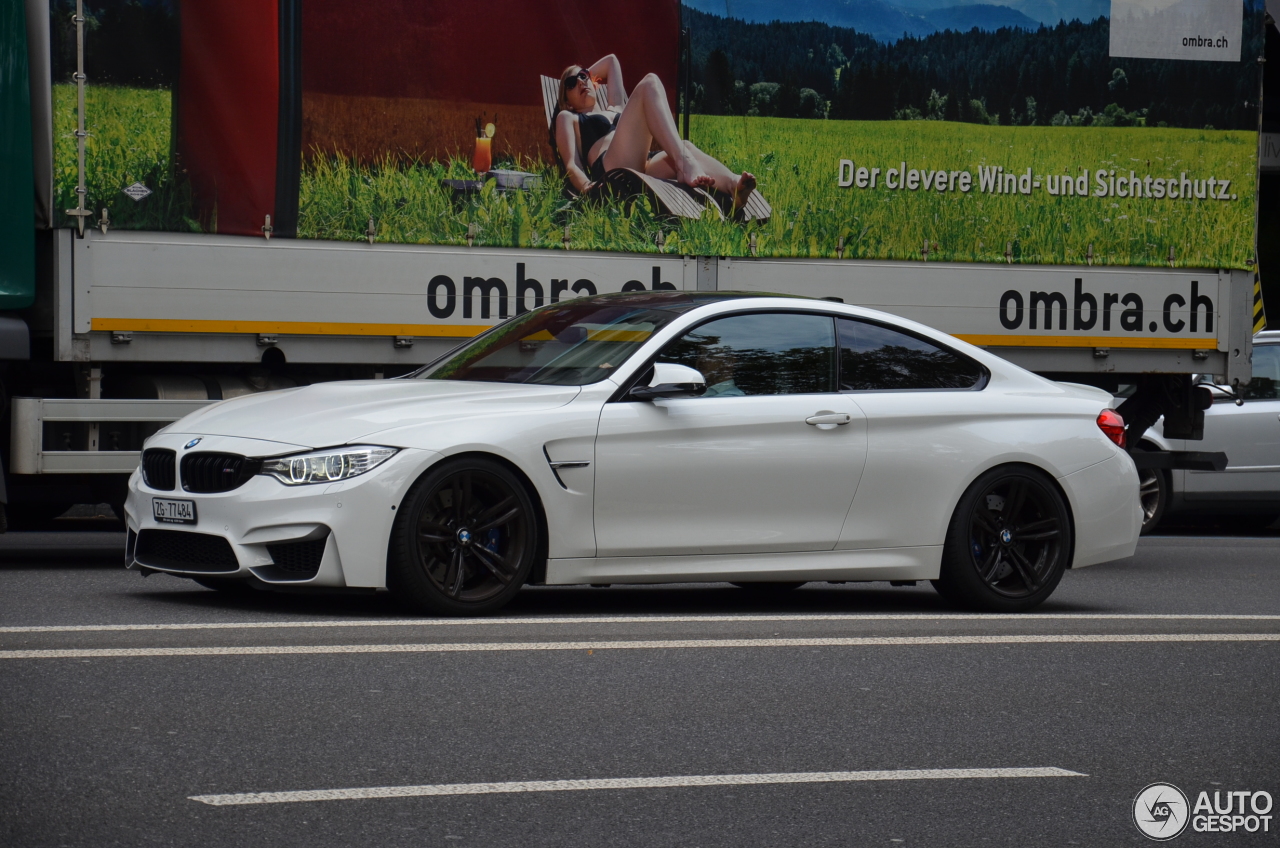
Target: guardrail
[(29, 454)]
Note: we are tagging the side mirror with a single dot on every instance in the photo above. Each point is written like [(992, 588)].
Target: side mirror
[(669, 381)]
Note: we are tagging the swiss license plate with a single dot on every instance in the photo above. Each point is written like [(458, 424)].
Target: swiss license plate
[(173, 512)]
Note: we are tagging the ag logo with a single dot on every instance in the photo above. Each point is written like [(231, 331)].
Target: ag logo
[(1160, 811), (192, 443)]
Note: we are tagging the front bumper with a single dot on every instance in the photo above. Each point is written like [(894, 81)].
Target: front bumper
[(332, 534)]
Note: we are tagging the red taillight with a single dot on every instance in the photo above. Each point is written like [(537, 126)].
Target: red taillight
[(1110, 423)]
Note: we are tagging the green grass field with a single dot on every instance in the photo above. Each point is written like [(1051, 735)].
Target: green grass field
[(128, 142), (796, 163), (811, 213)]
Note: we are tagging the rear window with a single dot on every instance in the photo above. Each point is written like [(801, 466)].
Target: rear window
[(876, 358)]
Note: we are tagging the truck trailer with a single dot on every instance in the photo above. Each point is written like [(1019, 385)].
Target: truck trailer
[(203, 199)]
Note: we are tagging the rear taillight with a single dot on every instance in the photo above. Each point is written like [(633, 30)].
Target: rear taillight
[(1110, 423)]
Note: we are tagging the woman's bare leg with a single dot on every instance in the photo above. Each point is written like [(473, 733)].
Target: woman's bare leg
[(738, 185), (647, 117)]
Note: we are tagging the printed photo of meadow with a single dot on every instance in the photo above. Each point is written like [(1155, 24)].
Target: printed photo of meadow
[(129, 141), (796, 161), (786, 91)]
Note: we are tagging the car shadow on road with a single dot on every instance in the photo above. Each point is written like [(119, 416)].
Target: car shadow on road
[(540, 601)]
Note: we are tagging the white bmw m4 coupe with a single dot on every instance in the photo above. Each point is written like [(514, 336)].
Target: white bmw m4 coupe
[(658, 437)]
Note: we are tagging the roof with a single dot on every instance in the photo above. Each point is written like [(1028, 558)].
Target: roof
[(682, 300)]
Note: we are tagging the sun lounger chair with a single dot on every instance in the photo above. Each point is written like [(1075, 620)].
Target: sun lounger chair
[(668, 196)]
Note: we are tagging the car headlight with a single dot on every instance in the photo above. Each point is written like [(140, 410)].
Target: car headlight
[(326, 466)]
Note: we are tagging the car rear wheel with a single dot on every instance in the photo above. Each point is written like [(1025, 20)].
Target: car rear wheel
[(1008, 544), (465, 539)]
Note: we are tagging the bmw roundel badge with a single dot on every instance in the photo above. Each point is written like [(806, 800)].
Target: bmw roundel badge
[(192, 443)]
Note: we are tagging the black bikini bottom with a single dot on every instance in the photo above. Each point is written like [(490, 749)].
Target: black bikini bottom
[(596, 169)]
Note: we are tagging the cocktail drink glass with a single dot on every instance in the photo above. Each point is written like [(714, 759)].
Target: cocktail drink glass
[(482, 162)]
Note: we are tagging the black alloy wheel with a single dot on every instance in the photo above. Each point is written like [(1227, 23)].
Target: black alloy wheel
[(464, 540), (1009, 542)]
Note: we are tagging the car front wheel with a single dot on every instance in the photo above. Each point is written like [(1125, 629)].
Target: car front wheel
[(1008, 543), (464, 540)]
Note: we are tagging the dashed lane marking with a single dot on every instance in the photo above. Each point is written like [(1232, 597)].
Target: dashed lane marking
[(626, 619), (645, 644), (437, 789)]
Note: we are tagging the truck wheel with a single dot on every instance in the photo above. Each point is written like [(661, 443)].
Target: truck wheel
[(1153, 492), (464, 540), (771, 587), (1008, 543)]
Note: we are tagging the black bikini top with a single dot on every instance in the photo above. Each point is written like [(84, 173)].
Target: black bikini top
[(593, 127)]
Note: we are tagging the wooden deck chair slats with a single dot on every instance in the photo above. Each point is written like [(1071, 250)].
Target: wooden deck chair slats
[(757, 208), (550, 97)]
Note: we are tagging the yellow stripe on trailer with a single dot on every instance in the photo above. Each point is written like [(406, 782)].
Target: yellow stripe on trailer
[(299, 328), (307, 328), (1091, 341)]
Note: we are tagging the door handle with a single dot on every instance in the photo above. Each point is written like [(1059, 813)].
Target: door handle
[(829, 418)]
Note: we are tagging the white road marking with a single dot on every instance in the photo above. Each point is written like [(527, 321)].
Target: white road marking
[(647, 644), (623, 783), (628, 619)]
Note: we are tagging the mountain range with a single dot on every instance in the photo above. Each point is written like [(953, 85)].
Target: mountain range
[(889, 22)]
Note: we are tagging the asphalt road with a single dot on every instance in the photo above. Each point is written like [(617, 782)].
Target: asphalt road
[(122, 699)]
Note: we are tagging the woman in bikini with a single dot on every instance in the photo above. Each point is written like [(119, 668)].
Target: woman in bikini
[(593, 141)]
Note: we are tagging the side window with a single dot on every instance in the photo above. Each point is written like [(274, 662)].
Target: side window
[(873, 357), (771, 353), (1266, 374)]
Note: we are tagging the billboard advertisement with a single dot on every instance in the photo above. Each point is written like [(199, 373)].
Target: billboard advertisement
[(1060, 132)]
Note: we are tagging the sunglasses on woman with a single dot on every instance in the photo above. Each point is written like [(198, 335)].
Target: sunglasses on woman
[(572, 82)]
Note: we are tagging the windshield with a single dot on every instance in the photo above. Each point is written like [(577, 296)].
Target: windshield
[(571, 344)]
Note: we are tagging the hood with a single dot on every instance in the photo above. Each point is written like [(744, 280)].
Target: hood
[(327, 414)]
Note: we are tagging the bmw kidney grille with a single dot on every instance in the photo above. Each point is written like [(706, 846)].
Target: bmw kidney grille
[(158, 469), (207, 473)]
